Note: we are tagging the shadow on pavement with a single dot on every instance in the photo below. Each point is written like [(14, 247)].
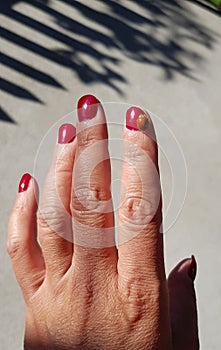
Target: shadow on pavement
[(137, 34), (5, 117), (205, 4)]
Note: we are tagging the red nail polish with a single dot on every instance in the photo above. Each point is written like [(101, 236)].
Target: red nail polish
[(136, 119), (87, 107), (192, 268), (24, 182), (66, 133)]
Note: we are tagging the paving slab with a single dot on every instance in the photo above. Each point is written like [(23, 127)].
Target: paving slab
[(162, 55)]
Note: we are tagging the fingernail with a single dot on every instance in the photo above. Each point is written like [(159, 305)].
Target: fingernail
[(87, 107), (66, 133), (24, 182), (136, 119), (192, 268)]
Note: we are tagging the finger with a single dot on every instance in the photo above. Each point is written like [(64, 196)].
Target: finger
[(140, 241), (54, 219), (92, 209), (22, 245), (183, 309)]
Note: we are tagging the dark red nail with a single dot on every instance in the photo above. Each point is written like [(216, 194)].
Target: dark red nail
[(87, 107), (24, 182), (66, 133), (136, 119), (193, 268)]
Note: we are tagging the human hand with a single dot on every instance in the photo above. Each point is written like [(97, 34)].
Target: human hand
[(89, 295)]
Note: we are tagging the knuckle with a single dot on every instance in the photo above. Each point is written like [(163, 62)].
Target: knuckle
[(89, 205), (83, 199), (136, 210), (139, 290), (52, 219), (20, 208), (63, 163), (90, 135), (15, 247), (140, 297)]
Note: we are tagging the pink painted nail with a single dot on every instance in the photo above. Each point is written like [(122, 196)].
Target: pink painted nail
[(66, 133), (136, 119), (24, 182), (87, 107)]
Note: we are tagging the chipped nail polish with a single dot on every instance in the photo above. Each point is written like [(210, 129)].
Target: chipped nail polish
[(136, 119)]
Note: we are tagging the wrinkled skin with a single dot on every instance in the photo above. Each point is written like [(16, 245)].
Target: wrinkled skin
[(91, 295)]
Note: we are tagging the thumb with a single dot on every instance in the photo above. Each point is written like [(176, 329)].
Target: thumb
[(183, 309)]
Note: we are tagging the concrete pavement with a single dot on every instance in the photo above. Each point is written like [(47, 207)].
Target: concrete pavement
[(164, 56)]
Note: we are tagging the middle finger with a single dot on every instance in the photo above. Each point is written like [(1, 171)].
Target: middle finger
[(92, 208)]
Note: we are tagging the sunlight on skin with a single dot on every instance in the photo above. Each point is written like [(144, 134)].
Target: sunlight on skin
[(83, 292)]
